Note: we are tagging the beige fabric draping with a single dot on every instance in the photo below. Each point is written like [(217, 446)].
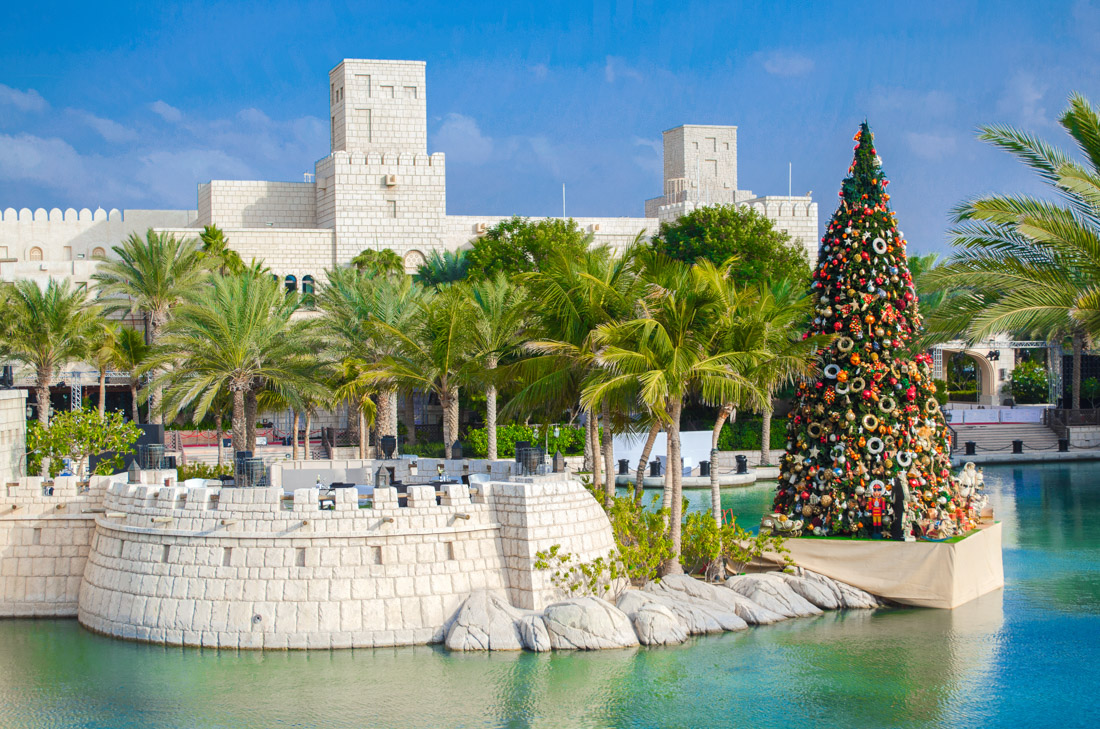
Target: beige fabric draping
[(926, 574)]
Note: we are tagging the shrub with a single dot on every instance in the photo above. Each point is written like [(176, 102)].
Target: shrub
[(744, 435), (203, 470), (941, 391), (424, 450), (1029, 383), (703, 543), (78, 434), (570, 439)]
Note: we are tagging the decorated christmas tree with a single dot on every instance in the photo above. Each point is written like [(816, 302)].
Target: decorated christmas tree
[(867, 447)]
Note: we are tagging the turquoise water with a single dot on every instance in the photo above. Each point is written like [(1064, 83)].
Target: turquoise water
[(1024, 657)]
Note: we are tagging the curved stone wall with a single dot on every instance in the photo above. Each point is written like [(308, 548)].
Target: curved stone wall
[(244, 568)]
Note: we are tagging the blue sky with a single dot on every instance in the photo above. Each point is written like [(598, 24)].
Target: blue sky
[(131, 105)]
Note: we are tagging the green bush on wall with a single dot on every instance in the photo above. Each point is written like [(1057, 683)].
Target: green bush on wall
[(570, 440), (744, 435), (1029, 383)]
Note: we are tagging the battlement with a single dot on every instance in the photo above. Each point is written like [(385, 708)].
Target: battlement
[(55, 215)]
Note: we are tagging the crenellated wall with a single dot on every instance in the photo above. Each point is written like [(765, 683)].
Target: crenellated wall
[(247, 568)]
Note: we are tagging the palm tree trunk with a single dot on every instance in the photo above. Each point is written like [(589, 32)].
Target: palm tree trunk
[(156, 321), (134, 399), (588, 445), (352, 428), (102, 392), (250, 407), (1078, 347), (715, 491), (766, 433), (42, 400), (240, 418), (646, 450), (608, 456), (491, 411), (218, 434), (672, 566), (390, 426), (362, 418), (309, 427), (597, 467), (294, 447), (450, 418), (410, 419)]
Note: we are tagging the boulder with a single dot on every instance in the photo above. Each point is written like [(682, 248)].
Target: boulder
[(654, 623), (588, 623), (532, 631), (772, 592), (724, 598), (846, 595), (699, 617), (485, 622), (813, 591)]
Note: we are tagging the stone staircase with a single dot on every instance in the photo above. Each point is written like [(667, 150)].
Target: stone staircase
[(998, 437)]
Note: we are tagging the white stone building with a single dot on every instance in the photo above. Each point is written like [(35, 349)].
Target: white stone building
[(377, 188)]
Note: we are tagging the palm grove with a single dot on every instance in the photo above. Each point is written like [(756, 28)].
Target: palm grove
[(534, 323)]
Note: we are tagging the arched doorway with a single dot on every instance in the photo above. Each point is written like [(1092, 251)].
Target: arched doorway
[(970, 377)]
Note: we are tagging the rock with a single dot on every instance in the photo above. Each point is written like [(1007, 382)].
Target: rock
[(699, 617), (772, 592), (485, 622), (813, 591), (532, 631), (724, 598), (654, 623), (846, 595), (588, 623)]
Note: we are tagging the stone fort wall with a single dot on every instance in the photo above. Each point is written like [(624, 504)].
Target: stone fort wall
[(245, 568)]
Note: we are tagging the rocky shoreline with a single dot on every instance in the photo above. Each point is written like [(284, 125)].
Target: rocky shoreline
[(660, 613)]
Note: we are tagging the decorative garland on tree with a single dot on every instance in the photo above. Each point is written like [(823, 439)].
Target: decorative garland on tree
[(867, 445)]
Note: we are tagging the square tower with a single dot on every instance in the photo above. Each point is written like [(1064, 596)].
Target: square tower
[(378, 106), (703, 158)]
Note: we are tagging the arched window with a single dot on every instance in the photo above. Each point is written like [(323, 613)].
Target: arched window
[(98, 253), (291, 284), (307, 284), (35, 254)]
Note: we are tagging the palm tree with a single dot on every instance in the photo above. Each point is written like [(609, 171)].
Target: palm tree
[(102, 340), (575, 296), (442, 268), (235, 334), (664, 351), (130, 351), (151, 275), (430, 351), (217, 253), (383, 262), (45, 329), (1030, 265), (500, 311)]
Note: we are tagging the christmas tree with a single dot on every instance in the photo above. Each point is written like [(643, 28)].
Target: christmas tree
[(867, 447)]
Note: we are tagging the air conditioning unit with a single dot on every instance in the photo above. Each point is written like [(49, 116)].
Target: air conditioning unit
[(480, 228), (391, 180), (595, 227)]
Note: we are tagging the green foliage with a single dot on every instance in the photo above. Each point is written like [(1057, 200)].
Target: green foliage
[(382, 262), (570, 440), (78, 434), (442, 268), (942, 395), (719, 233), (1029, 384), (203, 470), (424, 450), (968, 394), (641, 537), (704, 542), (744, 434), (1090, 390), (217, 253), (108, 466), (593, 578), (519, 245)]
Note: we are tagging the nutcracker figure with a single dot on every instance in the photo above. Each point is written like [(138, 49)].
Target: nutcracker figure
[(878, 506)]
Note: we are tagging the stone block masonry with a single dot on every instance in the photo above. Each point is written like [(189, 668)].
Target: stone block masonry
[(245, 568)]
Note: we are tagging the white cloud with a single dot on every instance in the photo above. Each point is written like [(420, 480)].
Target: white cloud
[(616, 68), (110, 130), (930, 145), (29, 100), (166, 111), (1022, 101), (460, 138), (787, 63), (926, 103), (652, 159), (173, 175), (540, 71), (54, 163)]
